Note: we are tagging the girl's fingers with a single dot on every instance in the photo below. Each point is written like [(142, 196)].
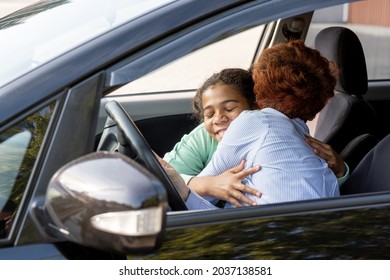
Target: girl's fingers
[(248, 171), (252, 191), (238, 198)]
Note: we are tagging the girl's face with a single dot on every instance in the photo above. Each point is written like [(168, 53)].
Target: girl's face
[(221, 105)]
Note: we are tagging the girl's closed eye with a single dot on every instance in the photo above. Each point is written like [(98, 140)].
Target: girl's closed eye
[(208, 115), (230, 109)]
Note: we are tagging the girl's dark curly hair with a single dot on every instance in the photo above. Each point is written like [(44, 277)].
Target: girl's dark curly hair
[(293, 79), (239, 79)]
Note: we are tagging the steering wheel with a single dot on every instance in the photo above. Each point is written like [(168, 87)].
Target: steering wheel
[(140, 146)]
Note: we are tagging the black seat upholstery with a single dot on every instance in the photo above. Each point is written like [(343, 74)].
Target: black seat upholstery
[(372, 173), (355, 151), (347, 115)]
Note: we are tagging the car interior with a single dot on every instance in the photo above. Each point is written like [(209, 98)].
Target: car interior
[(348, 114), (371, 174)]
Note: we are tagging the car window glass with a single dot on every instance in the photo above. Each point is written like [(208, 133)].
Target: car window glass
[(374, 35), (49, 41), (191, 70), (19, 147)]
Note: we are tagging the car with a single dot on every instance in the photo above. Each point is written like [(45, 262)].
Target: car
[(85, 100)]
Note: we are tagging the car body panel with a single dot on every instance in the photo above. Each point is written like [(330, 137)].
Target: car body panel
[(32, 252), (339, 234)]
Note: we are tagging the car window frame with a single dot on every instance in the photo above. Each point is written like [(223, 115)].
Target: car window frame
[(191, 218)]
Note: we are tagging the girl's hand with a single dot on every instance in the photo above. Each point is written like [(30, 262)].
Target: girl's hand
[(227, 186)]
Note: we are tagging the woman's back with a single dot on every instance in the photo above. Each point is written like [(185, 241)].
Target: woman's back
[(290, 169)]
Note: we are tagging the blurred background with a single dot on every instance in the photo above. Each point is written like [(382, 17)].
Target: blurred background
[(9, 6)]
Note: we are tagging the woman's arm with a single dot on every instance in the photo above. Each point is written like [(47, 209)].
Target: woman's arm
[(334, 160)]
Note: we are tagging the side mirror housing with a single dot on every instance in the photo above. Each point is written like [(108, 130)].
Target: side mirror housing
[(109, 202)]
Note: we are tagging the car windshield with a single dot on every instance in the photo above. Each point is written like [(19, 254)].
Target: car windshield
[(38, 33)]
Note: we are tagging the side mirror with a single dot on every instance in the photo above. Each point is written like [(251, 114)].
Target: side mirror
[(109, 202)]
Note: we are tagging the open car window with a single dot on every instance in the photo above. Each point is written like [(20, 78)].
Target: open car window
[(189, 72)]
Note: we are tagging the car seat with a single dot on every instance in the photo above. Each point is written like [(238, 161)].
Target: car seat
[(347, 115), (372, 173), (355, 151)]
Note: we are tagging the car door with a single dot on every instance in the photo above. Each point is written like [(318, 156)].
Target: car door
[(331, 229), (344, 228)]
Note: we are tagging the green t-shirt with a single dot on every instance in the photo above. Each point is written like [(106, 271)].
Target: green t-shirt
[(194, 151)]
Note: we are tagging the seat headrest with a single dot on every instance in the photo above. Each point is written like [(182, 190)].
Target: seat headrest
[(342, 46)]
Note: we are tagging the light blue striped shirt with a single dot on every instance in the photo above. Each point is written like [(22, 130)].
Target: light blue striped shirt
[(290, 170)]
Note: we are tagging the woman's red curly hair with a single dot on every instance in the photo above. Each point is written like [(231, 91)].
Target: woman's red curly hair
[(293, 79)]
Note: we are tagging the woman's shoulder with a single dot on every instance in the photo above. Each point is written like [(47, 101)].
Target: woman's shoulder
[(249, 116)]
